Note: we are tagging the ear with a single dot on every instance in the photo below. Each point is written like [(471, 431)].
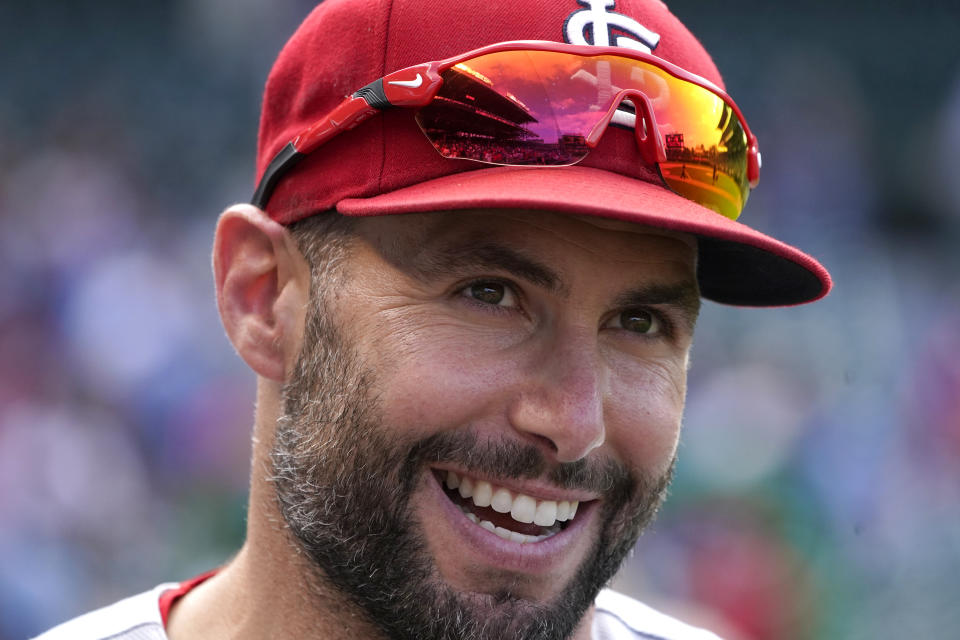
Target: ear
[(263, 288)]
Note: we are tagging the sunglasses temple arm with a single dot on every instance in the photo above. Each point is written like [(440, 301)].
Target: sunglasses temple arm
[(397, 89), (281, 163), (410, 87), (347, 115)]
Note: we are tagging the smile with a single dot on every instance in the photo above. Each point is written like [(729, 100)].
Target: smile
[(511, 515)]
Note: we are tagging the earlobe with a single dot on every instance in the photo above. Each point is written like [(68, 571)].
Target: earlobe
[(262, 286)]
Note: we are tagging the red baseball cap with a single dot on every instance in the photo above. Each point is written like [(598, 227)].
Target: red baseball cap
[(387, 166)]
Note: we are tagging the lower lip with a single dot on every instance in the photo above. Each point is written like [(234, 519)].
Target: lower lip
[(540, 557)]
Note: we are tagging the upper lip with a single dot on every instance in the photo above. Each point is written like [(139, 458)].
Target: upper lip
[(535, 488)]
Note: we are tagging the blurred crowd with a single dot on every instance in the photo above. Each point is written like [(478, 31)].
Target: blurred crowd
[(818, 488)]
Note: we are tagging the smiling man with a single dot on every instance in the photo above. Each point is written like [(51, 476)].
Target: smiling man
[(468, 284)]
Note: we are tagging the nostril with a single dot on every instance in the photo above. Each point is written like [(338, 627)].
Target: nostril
[(545, 442), (542, 442)]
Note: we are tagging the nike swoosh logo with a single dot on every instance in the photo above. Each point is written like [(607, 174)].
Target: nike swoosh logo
[(413, 84)]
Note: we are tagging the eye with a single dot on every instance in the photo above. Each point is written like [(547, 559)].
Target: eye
[(491, 292), (642, 321)]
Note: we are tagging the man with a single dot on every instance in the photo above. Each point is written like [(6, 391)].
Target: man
[(467, 413)]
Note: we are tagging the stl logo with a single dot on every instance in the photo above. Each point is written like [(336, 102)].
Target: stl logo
[(602, 23)]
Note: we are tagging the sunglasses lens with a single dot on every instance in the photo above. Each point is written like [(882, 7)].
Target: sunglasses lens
[(706, 149), (499, 108), (540, 107)]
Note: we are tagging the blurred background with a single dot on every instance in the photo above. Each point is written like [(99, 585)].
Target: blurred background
[(818, 491)]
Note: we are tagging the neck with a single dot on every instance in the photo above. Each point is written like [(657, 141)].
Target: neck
[(268, 589)]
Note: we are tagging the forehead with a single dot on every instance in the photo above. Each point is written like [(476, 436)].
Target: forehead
[(572, 244)]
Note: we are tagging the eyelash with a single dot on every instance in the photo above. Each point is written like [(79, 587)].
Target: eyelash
[(665, 322), (461, 290), (666, 325)]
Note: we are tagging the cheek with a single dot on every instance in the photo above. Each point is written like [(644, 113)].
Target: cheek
[(436, 382), (643, 415)]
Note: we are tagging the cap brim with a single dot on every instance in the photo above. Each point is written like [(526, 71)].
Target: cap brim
[(737, 265)]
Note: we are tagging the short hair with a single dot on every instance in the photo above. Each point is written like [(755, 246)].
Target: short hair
[(323, 239)]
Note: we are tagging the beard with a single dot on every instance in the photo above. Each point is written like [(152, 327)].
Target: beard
[(344, 478)]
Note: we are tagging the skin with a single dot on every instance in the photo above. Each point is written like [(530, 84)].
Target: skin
[(534, 340)]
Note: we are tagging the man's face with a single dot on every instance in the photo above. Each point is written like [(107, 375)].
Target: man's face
[(536, 359)]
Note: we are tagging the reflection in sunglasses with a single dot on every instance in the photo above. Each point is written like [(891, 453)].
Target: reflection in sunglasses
[(537, 107)]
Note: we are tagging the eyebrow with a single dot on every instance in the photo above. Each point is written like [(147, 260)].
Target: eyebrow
[(464, 257), (487, 255)]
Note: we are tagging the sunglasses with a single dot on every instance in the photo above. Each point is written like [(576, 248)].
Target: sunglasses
[(537, 103)]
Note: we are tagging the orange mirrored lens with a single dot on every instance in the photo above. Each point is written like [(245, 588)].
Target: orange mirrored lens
[(538, 108), (497, 109), (706, 149)]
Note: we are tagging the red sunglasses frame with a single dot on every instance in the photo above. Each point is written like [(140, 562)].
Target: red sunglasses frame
[(417, 85)]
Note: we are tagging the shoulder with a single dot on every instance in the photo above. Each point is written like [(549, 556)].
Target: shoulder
[(619, 617), (135, 618)]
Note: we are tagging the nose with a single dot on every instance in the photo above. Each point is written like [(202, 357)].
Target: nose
[(560, 406)]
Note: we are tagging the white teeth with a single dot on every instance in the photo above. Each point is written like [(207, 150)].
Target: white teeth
[(523, 509), (466, 487), (520, 538), (502, 501), (482, 493), (514, 536), (546, 513), (453, 480), (503, 533)]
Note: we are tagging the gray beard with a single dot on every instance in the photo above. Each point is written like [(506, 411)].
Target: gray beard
[(343, 481)]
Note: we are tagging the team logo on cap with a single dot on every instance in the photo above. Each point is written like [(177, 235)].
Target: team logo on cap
[(604, 26)]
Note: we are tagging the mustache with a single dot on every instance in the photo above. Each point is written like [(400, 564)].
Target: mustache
[(511, 459)]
